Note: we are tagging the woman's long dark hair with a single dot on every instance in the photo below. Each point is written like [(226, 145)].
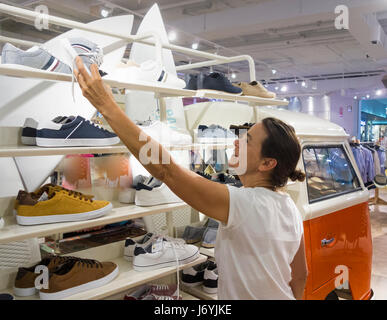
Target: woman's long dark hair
[(282, 144)]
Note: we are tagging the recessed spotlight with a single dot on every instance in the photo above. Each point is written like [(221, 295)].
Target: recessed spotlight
[(276, 88), (355, 97), (195, 45), (172, 36), (368, 96), (379, 92), (303, 83), (284, 88), (233, 75), (104, 12), (273, 71)]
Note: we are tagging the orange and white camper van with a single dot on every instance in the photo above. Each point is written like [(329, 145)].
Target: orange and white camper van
[(332, 200)]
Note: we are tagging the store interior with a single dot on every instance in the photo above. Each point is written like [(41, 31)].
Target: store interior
[(194, 75)]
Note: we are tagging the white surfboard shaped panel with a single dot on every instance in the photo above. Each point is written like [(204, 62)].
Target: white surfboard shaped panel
[(44, 100), (143, 105)]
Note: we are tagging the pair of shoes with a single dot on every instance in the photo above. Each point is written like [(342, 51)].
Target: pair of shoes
[(205, 274), (215, 134), (218, 82), (148, 71), (205, 234), (155, 251), (154, 292), (148, 191), (56, 204), (255, 89), (66, 276), (66, 131), (40, 57)]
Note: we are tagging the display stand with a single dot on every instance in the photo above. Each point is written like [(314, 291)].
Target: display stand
[(376, 200)]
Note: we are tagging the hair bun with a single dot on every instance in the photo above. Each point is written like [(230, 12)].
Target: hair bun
[(297, 175)]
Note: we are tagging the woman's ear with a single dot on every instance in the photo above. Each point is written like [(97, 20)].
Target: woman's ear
[(267, 164)]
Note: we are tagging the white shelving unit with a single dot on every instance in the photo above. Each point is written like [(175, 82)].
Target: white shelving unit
[(199, 293), (127, 278), (208, 252)]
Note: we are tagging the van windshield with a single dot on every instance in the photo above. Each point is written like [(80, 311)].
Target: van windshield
[(329, 172)]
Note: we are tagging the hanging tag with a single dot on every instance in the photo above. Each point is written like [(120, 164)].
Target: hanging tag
[(157, 245)]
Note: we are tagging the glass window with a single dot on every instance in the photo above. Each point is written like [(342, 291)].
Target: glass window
[(329, 172)]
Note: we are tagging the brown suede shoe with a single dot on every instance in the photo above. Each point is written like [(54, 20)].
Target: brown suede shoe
[(25, 278), (255, 89), (77, 276)]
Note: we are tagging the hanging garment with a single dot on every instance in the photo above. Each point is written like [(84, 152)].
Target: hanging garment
[(360, 161), (382, 159)]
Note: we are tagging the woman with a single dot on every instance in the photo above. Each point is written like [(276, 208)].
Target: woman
[(260, 246)]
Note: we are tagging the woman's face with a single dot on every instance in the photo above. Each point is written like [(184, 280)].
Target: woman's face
[(247, 153)]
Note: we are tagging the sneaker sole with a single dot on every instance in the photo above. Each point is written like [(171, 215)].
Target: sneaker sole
[(46, 142), (218, 91), (171, 263), (210, 290), (29, 141), (81, 288), (148, 198), (22, 220), (24, 292), (208, 246), (191, 284)]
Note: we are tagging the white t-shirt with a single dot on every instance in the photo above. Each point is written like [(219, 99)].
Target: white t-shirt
[(254, 250)]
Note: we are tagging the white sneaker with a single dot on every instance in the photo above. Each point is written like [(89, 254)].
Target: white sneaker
[(130, 245), (128, 195), (163, 134), (148, 71), (163, 253), (210, 281), (154, 192)]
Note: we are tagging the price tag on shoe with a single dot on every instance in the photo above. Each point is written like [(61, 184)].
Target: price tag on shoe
[(157, 245)]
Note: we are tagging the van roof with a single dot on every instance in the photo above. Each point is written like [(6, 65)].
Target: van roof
[(304, 124)]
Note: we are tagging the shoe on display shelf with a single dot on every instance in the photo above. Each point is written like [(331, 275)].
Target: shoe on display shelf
[(30, 127), (58, 206), (219, 83), (194, 276), (165, 135), (128, 195), (255, 89), (48, 188), (76, 276), (193, 234), (75, 132), (209, 237), (154, 192), (149, 71), (24, 284), (159, 290), (164, 252), (214, 134), (35, 57), (6, 296), (210, 278), (130, 245)]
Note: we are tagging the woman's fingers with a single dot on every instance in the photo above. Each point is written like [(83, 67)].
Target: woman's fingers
[(82, 70), (94, 72)]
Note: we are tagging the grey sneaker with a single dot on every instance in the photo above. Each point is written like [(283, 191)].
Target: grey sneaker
[(209, 238), (34, 57), (193, 234)]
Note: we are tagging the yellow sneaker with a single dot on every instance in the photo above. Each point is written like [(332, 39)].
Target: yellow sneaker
[(49, 187), (58, 206)]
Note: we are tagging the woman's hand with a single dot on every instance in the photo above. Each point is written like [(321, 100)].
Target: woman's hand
[(93, 88)]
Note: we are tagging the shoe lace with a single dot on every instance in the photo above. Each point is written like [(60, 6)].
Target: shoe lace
[(89, 263), (79, 195)]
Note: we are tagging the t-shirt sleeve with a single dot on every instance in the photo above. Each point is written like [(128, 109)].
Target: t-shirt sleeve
[(236, 206)]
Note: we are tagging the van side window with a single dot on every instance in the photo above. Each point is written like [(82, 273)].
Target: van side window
[(329, 172)]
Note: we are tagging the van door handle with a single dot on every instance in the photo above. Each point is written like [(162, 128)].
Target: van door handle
[(325, 242)]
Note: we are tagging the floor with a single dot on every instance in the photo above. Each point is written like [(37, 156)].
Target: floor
[(378, 215)]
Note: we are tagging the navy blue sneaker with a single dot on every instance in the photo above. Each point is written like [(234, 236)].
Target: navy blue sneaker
[(192, 82), (217, 81), (76, 132)]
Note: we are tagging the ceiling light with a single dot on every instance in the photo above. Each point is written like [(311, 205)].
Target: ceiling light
[(104, 12), (276, 88), (355, 97), (303, 84), (195, 45), (284, 88), (368, 96), (273, 71), (233, 75), (379, 92), (172, 36)]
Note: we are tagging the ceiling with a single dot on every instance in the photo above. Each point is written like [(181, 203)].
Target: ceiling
[(297, 38)]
